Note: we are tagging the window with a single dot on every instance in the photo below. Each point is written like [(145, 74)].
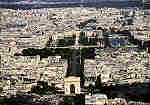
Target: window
[(9, 49), (72, 89)]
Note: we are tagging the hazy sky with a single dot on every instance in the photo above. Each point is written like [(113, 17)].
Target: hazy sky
[(58, 0)]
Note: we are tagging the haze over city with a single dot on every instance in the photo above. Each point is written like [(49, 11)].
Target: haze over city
[(74, 52)]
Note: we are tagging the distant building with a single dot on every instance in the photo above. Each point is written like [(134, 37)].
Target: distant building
[(146, 4), (96, 99), (116, 40), (101, 99), (90, 72)]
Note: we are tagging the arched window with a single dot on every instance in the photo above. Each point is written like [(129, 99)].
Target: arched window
[(9, 49), (72, 89)]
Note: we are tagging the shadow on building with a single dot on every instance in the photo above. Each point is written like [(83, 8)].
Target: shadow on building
[(131, 92), (74, 100)]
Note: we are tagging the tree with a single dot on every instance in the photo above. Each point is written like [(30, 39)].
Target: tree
[(41, 88), (91, 89), (30, 52), (49, 41), (1, 89), (84, 41), (98, 82)]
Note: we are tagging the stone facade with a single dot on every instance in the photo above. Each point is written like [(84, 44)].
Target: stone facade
[(90, 72), (72, 82), (123, 65)]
